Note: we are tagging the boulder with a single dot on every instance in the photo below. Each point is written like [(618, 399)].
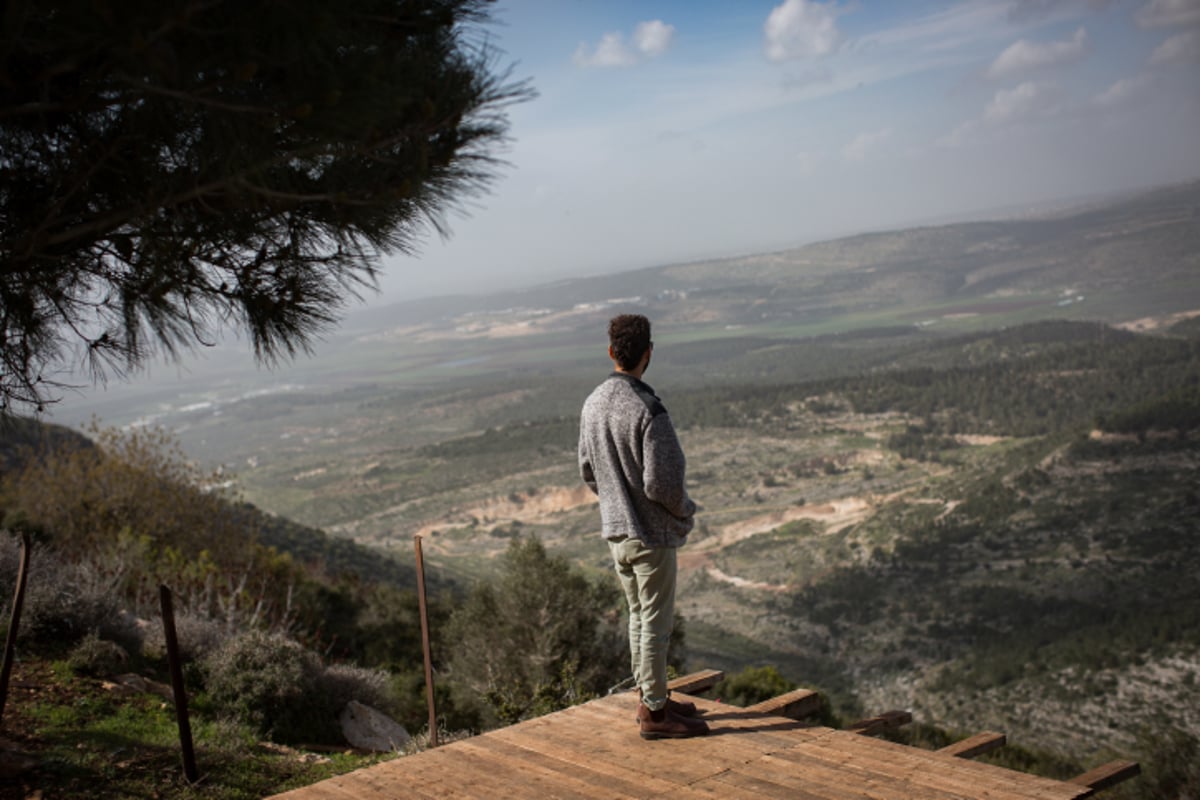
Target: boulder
[(368, 729)]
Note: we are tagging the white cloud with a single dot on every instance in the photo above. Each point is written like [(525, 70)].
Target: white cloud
[(611, 51), (1166, 13), (1027, 100), (649, 40), (801, 29), (859, 147), (1182, 48), (1121, 92), (1024, 56), (653, 38)]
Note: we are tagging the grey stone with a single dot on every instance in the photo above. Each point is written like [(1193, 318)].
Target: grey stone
[(368, 729)]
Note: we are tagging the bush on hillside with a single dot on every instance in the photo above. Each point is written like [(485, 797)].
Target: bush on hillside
[(64, 602), (752, 685), (341, 683), (141, 514), (269, 682), (195, 635), (279, 687), (542, 637), (97, 657)]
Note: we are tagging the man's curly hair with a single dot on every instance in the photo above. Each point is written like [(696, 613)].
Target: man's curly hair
[(629, 335)]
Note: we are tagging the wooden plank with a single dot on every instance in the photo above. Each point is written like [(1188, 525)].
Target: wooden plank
[(722, 716), (433, 773), (796, 704), (363, 784), (600, 739), (608, 747), (371, 783), (1107, 775), (885, 721), (553, 778), (614, 739), (593, 752), (325, 790), (604, 780), (716, 792), (759, 785), (976, 745), (696, 681), (619, 769), (926, 768), (843, 781), (877, 779), (460, 771), (956, 774)]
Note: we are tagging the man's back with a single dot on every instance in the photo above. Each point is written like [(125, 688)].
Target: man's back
[(630, 456)]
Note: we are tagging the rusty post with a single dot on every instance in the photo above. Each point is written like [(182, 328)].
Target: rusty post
[(10, 641), (181, 710), (433, 729)]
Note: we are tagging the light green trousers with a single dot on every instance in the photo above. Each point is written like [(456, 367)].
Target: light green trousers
[(647, 575)]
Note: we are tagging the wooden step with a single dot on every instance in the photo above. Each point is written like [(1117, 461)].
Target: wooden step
[(885, 721), (796, 704), (1106, 775), (976, 745), (696, 681)]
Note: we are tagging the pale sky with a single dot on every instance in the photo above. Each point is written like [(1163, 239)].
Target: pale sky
[(685, 129)]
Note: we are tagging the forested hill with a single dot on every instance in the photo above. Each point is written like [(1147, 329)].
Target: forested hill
[(1023, 381)]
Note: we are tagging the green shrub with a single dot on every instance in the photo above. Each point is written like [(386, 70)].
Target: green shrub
[(271, 683), (752, 685), (97, 657), (341, 683), (197, 636), (541, 637), (63, 602), (280, 688)]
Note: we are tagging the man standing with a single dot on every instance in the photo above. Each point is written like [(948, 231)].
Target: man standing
[(630, 456)]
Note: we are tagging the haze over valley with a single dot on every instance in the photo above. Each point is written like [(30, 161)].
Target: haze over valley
[(951, 469)]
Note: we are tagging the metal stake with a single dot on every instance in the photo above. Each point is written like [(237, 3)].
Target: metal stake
[(10, 641), (433, 728), (181, 710)]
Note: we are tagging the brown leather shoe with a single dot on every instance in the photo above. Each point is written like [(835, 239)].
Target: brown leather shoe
[(681, 708), (663, 724)]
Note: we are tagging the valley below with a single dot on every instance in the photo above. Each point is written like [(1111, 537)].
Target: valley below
[(950, 470)]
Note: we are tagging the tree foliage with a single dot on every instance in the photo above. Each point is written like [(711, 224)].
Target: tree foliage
[(752, 685), (542, 637), (170, 169)]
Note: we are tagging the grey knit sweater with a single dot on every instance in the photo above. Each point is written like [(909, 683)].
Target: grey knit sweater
[(630, 456)]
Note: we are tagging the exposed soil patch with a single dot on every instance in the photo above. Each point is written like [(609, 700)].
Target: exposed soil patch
[(835, 516), (1154, 323), (523, 507)]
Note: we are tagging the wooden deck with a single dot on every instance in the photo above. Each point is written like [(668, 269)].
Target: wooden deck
[(594, 751)]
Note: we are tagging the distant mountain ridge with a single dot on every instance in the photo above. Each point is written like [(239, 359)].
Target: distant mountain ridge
[(1126, 244)]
